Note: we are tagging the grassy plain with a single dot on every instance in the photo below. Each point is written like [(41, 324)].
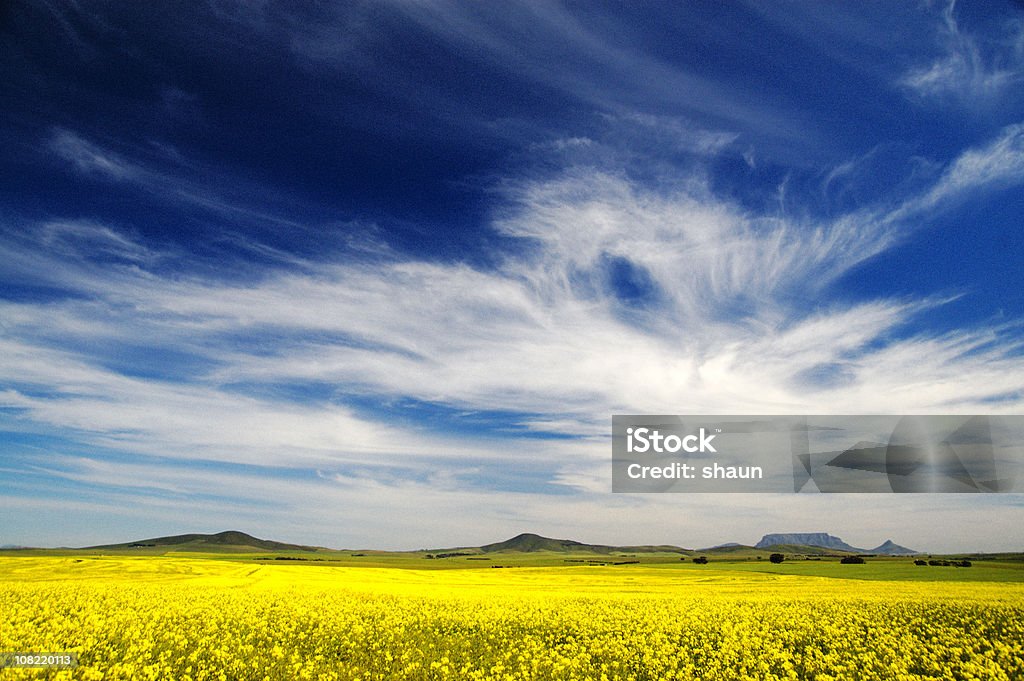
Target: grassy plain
[(403, 616)]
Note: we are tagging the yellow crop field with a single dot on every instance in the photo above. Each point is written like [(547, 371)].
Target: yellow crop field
[(190, 618)]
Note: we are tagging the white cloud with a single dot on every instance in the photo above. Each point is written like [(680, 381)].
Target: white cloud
[(545, 332), (164, 174), (732, 325), (676, 134), (973, 72), (996, 165), (611, 71), (73, 237), (91, 159), (999, 163)]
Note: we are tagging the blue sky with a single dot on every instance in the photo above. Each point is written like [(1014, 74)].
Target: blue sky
[(378, 274)]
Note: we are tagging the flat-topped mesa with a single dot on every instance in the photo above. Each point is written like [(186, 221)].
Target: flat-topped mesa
[(827, 541), (820, 539)]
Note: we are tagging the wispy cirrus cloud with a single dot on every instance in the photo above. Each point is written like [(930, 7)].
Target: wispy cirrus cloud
[(626, 299), (92, 159), (612, 72), (164, 174), (72, 237), (996, 165), (972, 71)]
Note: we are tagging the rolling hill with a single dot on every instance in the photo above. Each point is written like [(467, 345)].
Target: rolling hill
[(727, 549), (230, 541), (530, 543), (890, 548), (233, 541)]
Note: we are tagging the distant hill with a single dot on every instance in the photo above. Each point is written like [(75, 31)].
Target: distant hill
[(231, 540), (730, 547), (529, 543), (890, 548)]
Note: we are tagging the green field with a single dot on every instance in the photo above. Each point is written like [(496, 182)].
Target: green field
[(1001, 568)]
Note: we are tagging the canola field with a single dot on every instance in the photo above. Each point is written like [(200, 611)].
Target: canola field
[(191, 618)]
